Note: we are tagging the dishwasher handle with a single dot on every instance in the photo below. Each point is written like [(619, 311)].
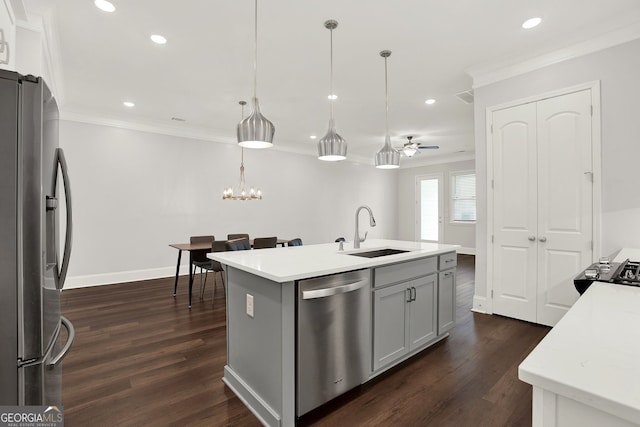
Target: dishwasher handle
[(335, 290)]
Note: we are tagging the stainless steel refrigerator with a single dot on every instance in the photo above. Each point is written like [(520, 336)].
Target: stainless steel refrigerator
[(33, 178)]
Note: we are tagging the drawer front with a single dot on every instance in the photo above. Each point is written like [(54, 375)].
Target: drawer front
[(448, 260), (403, 271)]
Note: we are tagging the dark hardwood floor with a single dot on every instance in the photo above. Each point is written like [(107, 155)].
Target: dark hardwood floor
[(142, 358)]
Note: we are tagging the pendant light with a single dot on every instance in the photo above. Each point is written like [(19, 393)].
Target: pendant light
[(256, 131), (240, 193), (387, 157), (332, 147)]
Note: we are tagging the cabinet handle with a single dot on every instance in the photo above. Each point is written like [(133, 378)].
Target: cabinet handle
[(447, 274), (543, 239), (532, 238), (408, 290), (448, 260), (413, 291)]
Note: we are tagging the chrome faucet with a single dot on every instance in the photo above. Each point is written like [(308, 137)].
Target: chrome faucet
[(372, 222)]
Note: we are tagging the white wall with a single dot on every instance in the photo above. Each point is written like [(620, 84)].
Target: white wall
[(456, 234), (617, 69), (8, 36), (135, 192)]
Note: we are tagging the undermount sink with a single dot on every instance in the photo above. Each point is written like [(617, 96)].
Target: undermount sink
[(378, 253)]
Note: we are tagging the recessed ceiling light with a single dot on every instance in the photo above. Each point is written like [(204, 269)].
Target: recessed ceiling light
[(313, 137), (530, 23), (333, 96), (128, 104), (430, 101), (157, 38), (104, 5)]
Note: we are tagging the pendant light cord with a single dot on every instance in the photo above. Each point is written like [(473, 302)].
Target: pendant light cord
[(255, 51), (386, 97), (331, 77), (242, 104)]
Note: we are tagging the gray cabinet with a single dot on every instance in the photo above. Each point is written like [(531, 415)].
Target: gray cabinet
[(422, 311), (390, 326), (405, 318), (446, 300), (413, 305)]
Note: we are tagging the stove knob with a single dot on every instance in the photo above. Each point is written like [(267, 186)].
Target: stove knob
[(591, 273), (604, 260)]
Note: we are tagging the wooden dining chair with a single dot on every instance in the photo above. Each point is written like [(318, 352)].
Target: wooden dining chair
[(236, 236), (199, 258), (216, 267), (295, 242), (242, 244), (264, 242)]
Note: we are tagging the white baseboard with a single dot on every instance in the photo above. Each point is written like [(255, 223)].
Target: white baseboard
[(466, 251), (74, 282), (481, 305)]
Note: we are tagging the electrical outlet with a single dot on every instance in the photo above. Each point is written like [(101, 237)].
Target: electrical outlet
[(250, 305)]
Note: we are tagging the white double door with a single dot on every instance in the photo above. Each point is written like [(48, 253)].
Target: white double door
[(542, 205)]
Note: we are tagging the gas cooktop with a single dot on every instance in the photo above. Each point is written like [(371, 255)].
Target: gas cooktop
[(622, 273)]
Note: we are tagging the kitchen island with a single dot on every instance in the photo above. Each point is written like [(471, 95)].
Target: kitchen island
[(410, 305), (586, 370)]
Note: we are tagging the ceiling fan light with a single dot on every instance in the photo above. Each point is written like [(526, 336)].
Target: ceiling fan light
[(387, 157), (332, 147), (256, 131), (409, 150)]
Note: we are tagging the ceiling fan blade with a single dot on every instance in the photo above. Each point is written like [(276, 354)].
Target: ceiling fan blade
[(428, 147)]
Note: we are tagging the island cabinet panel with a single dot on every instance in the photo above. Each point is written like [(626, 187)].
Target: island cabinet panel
[(390, 327), (423, 311), (401, 272), (405, 317), (446, 300)]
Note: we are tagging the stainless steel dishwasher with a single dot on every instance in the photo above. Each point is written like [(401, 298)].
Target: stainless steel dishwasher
[(333, 337)]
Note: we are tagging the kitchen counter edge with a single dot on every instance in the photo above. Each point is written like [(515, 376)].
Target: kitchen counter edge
[(302, 262)]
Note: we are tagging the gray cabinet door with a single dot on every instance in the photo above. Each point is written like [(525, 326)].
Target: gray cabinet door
[(390, 326), (446, 300), (422, 311)]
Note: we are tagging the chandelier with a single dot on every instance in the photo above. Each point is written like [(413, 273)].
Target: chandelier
[(240, 192)]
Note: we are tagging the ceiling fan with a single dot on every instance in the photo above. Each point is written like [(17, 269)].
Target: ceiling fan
[(410, 148)]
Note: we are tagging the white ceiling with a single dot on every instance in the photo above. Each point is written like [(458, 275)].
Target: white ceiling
[(207, 65)]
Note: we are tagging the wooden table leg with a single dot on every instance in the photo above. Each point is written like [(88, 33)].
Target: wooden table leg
[(175, 286)]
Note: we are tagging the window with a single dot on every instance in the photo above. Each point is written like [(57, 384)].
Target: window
[(463, 197)]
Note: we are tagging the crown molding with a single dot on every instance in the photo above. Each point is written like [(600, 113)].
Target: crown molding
[(488, 74), (189, 132)]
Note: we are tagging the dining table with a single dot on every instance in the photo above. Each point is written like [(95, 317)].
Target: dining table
[(200, 246)]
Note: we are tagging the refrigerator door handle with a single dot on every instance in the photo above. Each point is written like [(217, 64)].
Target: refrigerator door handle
[(62, 275), (71, 331)]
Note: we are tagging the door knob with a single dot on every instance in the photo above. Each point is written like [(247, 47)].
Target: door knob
[(543, 239), (532, 238)]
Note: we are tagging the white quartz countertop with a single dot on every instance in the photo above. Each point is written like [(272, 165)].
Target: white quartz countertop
[(593, 354), (301, 262)]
